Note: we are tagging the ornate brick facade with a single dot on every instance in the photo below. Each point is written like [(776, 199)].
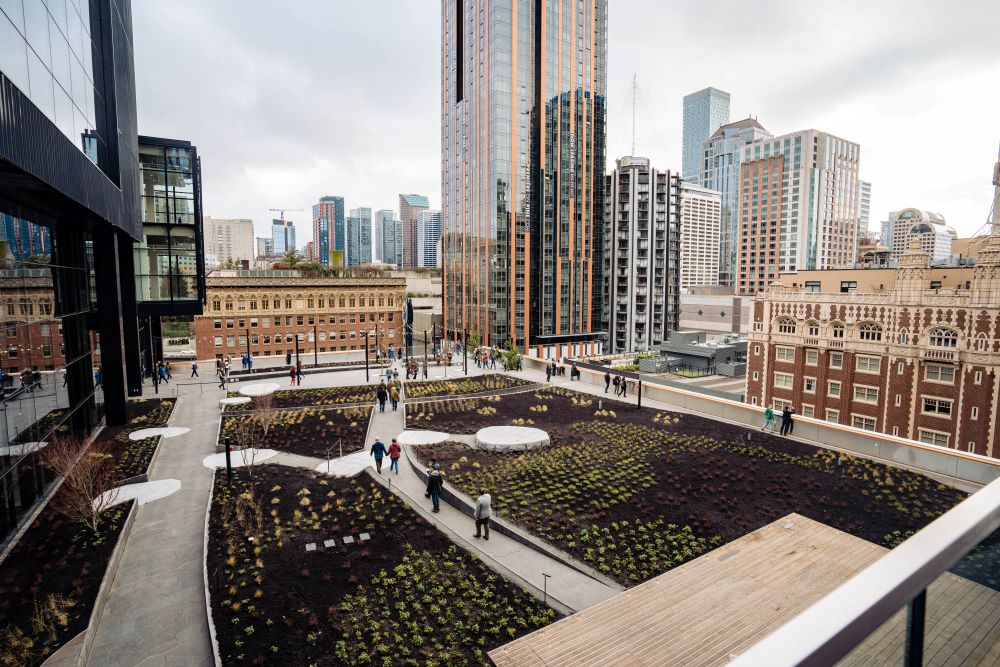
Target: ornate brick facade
[(912, 361), (275, 307)]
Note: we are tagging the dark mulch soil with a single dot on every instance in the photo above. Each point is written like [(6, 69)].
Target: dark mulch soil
[(317, 396), (634, 476), (310, 431), (58, 557), (406, 596), (463, 385)]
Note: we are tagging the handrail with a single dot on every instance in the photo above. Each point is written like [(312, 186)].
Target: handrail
[(836, 624)]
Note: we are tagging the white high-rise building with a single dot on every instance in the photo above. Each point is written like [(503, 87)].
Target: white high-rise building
[(428, 238), (359, 237), (700, 217), (388, 238), (641, 274), (227, 239), (910, 224), (283, 236), (704, 112)]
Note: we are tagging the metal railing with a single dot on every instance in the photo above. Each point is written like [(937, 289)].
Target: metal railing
[(831, 628)]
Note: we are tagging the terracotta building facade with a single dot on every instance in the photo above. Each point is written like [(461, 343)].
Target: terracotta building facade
[(283, 311), (911, 361)]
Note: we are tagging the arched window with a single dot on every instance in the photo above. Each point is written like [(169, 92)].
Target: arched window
[(838, 330), (982, 345), (241, 303), (216, 304), (352, 302), (299, 303), (11, 307), (943, 338), (229, 303), (812, 328), (786, 325), (870, 331), (904, 337)]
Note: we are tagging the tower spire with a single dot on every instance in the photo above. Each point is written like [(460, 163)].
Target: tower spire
[(996, 197), (635, 87)]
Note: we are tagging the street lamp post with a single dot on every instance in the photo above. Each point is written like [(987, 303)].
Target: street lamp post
[(366, 357), (425, 354), (248, 348), (297, 359), (229, 464), (315, 346), (465, 350)]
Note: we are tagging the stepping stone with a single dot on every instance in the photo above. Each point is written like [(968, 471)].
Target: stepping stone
[(365, 536), (329, 543), (348, 540), (311, 546)]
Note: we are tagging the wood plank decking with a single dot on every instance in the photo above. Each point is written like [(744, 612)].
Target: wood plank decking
[(710, 609)]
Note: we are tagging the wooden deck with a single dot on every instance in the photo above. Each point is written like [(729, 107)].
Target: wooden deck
[(712, 608)]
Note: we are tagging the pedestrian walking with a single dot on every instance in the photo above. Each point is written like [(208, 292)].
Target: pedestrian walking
[(163, 373), (548, 373), (222, 377), (378, 451), (298, 371), (65, 379), (243, 361), (249, 362), (288, 358), (768, 420), (394, 453), (292, 373), (381, 395), (483, 513), (617, 382), (786, 420), (434, 485), (607, 381), (194, 369), (493, 361), (394, 397), (169, 369)]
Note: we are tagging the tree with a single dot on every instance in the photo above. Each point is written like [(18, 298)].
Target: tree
[(510, 355), (474, 340), (88, 486), (291, 258)]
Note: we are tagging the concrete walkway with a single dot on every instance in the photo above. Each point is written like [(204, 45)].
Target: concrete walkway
[(573, 589), (155, 613)]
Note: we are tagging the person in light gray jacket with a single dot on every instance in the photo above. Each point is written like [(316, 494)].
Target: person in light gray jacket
[(483, 513)]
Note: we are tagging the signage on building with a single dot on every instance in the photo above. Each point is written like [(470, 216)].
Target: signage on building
[(527, 194), (572, 166)]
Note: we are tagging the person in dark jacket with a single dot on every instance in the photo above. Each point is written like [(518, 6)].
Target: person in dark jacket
[(548, 373), (434, 485), (378, 451), (381, 394), (786, 420), (394, 453), (607, 381)]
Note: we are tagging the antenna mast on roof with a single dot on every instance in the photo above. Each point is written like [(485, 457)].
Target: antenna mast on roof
[(635, 87)]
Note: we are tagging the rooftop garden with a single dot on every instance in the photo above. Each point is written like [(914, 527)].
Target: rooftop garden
[(464, 385)]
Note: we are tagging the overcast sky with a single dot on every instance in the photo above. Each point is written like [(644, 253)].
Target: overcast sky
[(287, 102)]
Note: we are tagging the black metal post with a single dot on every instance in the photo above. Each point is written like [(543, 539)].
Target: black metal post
[(366, 357), (465, 350), (378, 349), (315, 346), (640, 392), (916, 612), (248, 349), (297, 359), (229, 464), (425, 354)]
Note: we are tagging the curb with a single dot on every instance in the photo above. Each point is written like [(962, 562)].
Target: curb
[(462, 503), (204, 572), (484, 558)]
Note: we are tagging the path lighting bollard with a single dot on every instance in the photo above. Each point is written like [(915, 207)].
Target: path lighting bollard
[(366, 357), (465, 350), (640, 391), (229, 463), (545, 587)]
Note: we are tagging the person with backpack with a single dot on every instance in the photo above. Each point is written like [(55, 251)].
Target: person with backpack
[(617, 383), (434, 485), (394, 453), (394, 396), (381, 395), (768, 420), (483, 513), (378, 451)]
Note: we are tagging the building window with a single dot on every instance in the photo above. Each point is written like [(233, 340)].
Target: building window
[(975, 412), (895, 430), (217, 324), (342, 301), (808, 410), (978, 377), (833, 416), (935, 438), (813, 286), (836, 360), (865, 394), (943, 338), (46, 350), (863, 422), (288, 304), (253, 304), (780, 404), (786, 325), (756, 376), (783, 380), (229, 324), (904, 337), (265, 304), (229, 304), (809, 385), (868, 364), (937, 406), (812, 357), (813, 328), (833, 389), (972, 447), (838, 330), (230, 341), (899, 368), (756, 349), (243, 324), (299, 320), (216, 304), (782, 353), (981, 344), (870, 331), (310, 303), (939, 373), (848, 286), (899, 400), (253, 322), (218, 341)]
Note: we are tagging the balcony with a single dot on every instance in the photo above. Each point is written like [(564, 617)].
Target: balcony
[(935, 354)]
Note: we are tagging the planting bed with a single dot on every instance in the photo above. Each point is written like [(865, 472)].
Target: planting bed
[(465, 385), (310, 431), (405, 596), (62, 563), (317, 396), (636, 492)]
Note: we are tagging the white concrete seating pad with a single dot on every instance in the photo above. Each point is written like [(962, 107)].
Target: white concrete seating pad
[(235, 400), (510, 438), (259, 389), (144, 492), (239, 458), (421, 437), (165, 431), (349, 465), (21, 450)]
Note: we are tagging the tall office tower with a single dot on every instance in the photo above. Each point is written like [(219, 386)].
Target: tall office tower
[(798, 206), (699, 248), (388, 233), (704, 112), (912, 224), (228, 239), (641, 276), (328, 228), (379, 219), (721, 171), (522, 149), (864, 204), (428, 238), (410, 207), (359, 237), (265, 247), (283, 235)]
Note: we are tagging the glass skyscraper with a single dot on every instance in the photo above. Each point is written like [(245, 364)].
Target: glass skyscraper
[(328, 228), (359, 237), (522, 149), (704, 112)]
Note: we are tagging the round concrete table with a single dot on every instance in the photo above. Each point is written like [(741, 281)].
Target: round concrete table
[(259, 389), (416, 437), (239, 458), (143, 492), (165, 431), (235, 400), (510, 438)]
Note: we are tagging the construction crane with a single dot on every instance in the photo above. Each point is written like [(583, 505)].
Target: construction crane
[(285, 210)]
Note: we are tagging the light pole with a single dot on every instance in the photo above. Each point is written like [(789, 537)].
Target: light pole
[(248, 349), (366, 357), (315, 346), (425, 354), (465, 350)]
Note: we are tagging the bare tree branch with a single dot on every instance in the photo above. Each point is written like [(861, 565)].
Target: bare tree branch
[(87, 477)]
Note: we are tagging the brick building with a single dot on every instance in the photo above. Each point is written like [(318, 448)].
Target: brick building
[(912, 361), (276, 307)]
